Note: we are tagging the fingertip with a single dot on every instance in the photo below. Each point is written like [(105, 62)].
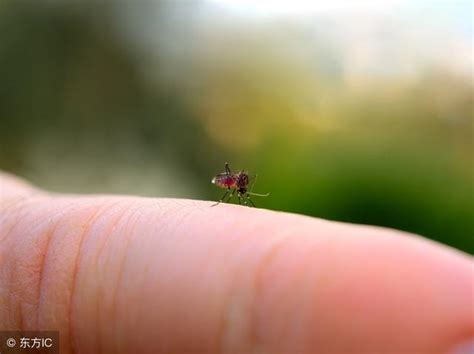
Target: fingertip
[(368, 290)]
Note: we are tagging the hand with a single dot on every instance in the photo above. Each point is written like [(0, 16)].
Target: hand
[(119, 274)]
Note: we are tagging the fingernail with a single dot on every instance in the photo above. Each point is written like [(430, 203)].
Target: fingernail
[(466, 347)]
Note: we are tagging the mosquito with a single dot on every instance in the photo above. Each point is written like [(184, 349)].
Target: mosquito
[(236, 182)]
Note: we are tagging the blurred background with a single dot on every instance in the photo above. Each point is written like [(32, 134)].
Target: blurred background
[(352, 111)]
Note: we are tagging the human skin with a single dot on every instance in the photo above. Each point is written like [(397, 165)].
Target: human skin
[(117, 274)]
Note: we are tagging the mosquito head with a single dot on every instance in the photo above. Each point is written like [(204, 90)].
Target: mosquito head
[(243, 179)]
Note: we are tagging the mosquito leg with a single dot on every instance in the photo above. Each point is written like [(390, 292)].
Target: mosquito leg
[(231, 195), (253, 182), (227, 169), (250, 201), (222, 199)]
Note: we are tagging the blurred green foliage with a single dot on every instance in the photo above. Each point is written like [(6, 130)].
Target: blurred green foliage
[(153, 97)]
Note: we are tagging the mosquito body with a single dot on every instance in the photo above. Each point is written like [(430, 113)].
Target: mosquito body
[(236, 183)]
